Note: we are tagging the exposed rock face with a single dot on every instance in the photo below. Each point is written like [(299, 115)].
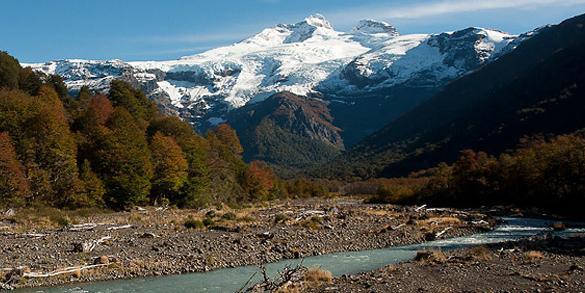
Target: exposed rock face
[(372, 68), (286, 128)]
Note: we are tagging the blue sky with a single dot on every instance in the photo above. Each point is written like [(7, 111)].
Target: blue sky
[(41, 30)]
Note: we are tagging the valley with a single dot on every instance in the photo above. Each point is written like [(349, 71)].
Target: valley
[(415, 153)]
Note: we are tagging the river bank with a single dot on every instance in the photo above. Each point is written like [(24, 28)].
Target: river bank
[(155, 241), (542, 263)]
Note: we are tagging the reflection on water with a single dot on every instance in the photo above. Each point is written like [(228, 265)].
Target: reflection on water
[(229, 280)]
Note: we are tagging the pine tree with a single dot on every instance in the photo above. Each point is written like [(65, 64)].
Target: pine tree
[(170, 167), (14, 187)]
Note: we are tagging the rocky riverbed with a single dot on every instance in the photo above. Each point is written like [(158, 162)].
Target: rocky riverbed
[(538, 264), (160, 241)]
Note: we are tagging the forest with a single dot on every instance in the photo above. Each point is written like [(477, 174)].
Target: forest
[(542, 173), (117, 151)]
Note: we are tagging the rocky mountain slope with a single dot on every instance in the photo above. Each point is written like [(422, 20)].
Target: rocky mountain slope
[(287, 130), (537, 89), (366, 77), (302, 58)]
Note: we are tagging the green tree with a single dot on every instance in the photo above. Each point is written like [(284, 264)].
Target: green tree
[(9, 71), (29, 81), (123, 160), (124, 95)]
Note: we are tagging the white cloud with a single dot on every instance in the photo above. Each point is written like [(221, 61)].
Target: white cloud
[(437, 8)]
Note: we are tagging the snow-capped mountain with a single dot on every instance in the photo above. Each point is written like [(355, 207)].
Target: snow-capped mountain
[(306, 58)]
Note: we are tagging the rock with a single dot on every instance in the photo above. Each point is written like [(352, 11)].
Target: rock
[(9, 213), (84, 247), (148, 235), (266, 235), (576, 267), (102, 260), (430, 236)]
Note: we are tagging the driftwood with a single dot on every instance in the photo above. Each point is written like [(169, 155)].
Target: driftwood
[(89, 246), (62, 271), (82, 227), (34, 235), (119, 227), (439, 234), (420, 208), (14, 275), (286, 276), (306, 214)]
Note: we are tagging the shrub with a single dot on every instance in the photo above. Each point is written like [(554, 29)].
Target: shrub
[(280, 218), (431, 256), (208, 222), (313, 223), (480, 253), (229, 216), (318, 275), (533, 255), (191, 223)]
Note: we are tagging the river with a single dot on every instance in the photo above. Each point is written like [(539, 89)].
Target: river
[(232, 279)]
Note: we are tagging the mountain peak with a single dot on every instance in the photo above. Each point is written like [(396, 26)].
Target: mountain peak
[(370, 26), (318, 20)]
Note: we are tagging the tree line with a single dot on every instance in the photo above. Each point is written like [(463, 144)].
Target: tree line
[(543, 173), (115, 150)]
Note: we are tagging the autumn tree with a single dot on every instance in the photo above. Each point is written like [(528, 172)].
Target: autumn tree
[(259, 181), (226, 165), (170, 167), (92, 190), (51, 145), (195, 191), (14, 187)]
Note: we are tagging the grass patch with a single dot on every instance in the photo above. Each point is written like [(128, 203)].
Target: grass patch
[(480, 253), (318, 275)]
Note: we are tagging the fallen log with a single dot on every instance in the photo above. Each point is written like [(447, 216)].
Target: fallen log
[(420, 208), (439, 234), (89, 246), (82, 227), (34, 235), (62, 271), (119, 227)]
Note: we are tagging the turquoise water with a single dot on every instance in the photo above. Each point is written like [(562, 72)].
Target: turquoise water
[(232, 279)]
